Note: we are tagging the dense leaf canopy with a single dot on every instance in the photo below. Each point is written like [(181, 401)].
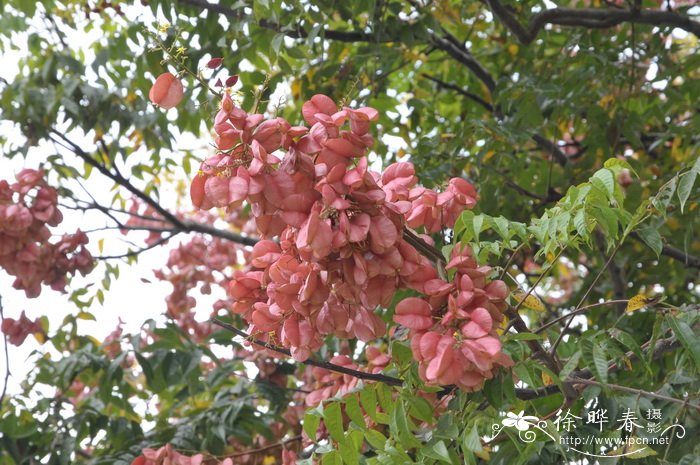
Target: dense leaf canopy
[(576, 122)]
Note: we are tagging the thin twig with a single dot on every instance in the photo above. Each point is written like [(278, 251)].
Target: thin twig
[(553, 349), (7, 356), (316, 363), (181, 225), (639, 392), (576, 312), (266, 448), (446, 85), (133, 253)]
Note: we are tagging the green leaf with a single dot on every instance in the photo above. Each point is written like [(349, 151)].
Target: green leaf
[(368, 398), (628, 341), (438, 451), (651, 238), (686, 336), (399, 424), (604, 180), (471, 441), (311, 423), (570, 365), (421, 409), (501, 226), (687, 181), (332, 458), (663, 198), (333, 418), (375, 438), (615, 165), (349, 453), (352, 408), (600, 363), (477, 224), (277, 42)]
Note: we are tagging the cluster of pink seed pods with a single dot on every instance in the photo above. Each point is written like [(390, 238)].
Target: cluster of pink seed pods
[(344, 241)]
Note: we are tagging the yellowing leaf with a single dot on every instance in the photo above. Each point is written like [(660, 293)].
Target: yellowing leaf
[(513, 49), (296, 89), (628, 363), (606, 100), (632, 450), (636, 302), (641, 301), (546, 379), (484, 454), (530, 301), (40, 337), (501, 328), (100, 245)]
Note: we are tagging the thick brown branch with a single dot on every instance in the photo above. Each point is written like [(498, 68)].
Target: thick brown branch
[(457, 51), (687, 259), (590, 18)]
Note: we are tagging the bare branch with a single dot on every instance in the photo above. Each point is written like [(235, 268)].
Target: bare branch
[(134, 253), (577, 312), (178, 224)]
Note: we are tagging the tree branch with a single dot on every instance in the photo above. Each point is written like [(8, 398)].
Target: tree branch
[(296, 33), (690, 261), (576, 312), (639, 392), (134, 253), (590, 18), (446, 85), (178, 224), (687, 259), (266, 448), (391, 381), (452, 47)]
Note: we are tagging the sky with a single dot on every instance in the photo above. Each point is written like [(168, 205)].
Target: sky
[(129, 299)]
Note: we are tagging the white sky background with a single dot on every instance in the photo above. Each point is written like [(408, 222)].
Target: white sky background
[(129, 298)]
